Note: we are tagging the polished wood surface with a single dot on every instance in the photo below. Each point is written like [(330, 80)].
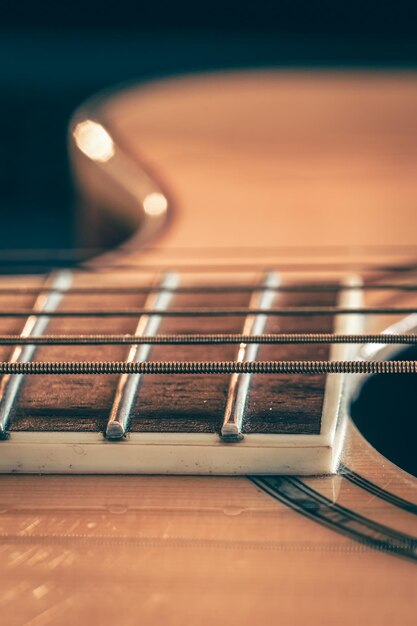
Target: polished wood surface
[(326, 158), (260, 160)]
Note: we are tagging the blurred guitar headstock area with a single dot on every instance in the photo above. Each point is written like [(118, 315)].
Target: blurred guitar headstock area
[(56, 55)]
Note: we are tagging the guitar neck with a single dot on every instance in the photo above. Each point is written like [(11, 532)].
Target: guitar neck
[(95, 304)]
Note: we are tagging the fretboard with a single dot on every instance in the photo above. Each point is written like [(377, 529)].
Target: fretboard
[(205, 332), (178, 403)]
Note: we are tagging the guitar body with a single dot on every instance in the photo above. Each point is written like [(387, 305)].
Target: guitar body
[(217, 172)]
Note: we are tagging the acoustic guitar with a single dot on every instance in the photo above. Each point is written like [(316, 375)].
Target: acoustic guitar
[(212, 421)]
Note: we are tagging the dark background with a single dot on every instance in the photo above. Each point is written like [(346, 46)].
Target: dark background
[(54, 55)]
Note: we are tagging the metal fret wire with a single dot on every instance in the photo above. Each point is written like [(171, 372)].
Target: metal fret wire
[(301, 311), (24, 353), (209, 339), (127, 386), (208, 367), (238, 390)]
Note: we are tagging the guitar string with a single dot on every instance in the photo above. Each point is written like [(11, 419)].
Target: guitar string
[(208, 339), (224, 288), (207, 367), (143, 268), (81, 252), (217, 338), (190, 367), (299, 311)]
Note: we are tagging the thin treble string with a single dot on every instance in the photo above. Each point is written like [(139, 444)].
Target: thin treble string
[(186, 268), (218, 312), (293, 250), (202, 289)]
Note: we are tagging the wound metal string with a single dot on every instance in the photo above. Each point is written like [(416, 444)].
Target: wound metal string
[(208, 367), (209, 339)]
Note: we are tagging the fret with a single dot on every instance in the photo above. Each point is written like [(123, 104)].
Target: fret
[(34, 325), (128, 384), (239, 383)]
